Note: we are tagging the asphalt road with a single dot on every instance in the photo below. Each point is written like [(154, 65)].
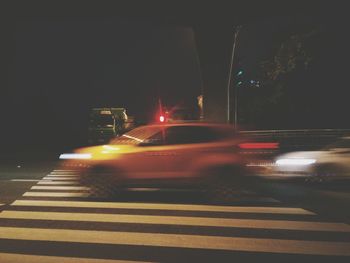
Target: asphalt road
[(46, 216)]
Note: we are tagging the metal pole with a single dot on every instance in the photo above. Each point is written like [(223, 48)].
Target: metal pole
[(201, 117), (236, 107), (229, 79)]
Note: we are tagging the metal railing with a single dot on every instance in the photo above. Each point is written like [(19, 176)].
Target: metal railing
[(305, 139)]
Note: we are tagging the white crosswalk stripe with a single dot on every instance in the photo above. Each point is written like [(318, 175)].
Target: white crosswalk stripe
[(40, 187), (60, 178), (10, 257), (55, 194), (160, 206), (63, 170), (62, 175), (40, 216), (49, 182), (179, 241)]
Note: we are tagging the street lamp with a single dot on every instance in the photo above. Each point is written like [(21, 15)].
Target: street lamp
[(237, 29)]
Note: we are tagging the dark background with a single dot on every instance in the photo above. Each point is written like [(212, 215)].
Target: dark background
[(61, 69), (61, 58)]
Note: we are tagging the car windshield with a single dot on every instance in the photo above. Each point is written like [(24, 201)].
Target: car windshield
[(137, 136)]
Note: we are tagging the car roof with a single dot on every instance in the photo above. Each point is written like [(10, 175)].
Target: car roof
[(198, 124)]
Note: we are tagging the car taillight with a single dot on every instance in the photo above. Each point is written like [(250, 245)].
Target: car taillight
[(259, 145)]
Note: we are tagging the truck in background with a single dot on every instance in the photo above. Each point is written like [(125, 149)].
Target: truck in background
[(107, 123)]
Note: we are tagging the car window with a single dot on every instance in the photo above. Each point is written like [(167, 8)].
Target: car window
[(189, 134), (138, 135), (156, 139)]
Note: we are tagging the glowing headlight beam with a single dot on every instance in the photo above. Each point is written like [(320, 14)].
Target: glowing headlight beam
[(295, 161), (112, 148), (65, 156)]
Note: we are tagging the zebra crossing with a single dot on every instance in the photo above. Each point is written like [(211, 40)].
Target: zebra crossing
[(59, 183), (64, 184), (55, 222)]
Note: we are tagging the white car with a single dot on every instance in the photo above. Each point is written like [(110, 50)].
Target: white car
[(328, 164)]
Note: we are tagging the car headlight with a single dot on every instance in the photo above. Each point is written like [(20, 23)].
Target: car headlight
[(74, 156), (295, 161)]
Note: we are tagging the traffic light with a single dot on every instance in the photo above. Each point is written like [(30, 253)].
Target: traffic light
[(239, 77), (161, 118)]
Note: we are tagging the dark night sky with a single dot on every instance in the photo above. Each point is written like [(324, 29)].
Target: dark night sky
[(63, 68), (320, 95), (58, 62)]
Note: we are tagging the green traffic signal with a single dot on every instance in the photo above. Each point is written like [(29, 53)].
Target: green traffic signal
[(240, 73)]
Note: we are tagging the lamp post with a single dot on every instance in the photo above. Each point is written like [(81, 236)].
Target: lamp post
[(239, 83), (229, 80)]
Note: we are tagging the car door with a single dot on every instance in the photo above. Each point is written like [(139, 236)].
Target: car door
[(182, 146), (144, 162)]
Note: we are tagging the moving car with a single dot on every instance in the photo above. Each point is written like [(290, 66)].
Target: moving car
[(172, 155), (331, 163)]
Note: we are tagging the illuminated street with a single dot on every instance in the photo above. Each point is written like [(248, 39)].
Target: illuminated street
[(50, 218)]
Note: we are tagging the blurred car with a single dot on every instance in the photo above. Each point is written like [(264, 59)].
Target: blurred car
[(167, 155), (331, 163)]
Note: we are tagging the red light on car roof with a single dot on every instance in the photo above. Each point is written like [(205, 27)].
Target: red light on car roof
[(259, 145), (161, 118)]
